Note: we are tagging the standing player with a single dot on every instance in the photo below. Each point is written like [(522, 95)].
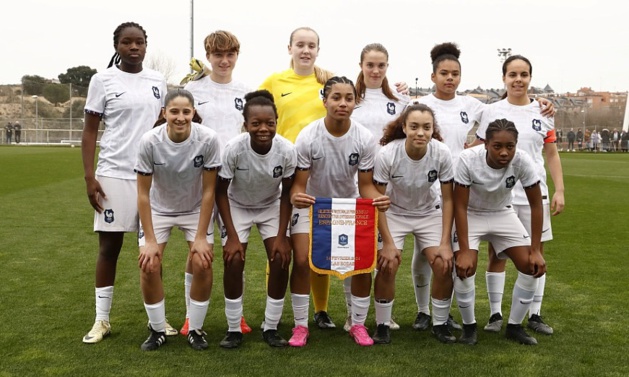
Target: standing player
[(456, 116), (330, 153), (484, 178), (254, 186), (220, 101), (407, 169), (537, 134), (376, 106), (177, 166), (298, 96), (128, 99)]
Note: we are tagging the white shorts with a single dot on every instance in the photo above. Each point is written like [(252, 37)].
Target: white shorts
[(426, 229), (266, 219), (120, 209), (188, 223), (300, 221), (524, 214), (502, 228)]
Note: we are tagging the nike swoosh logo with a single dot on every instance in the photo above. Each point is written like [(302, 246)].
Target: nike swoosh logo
[(477, 183), (202, 103), (316, 158), (523, 236), (237, 168), (285, 94), (103, 297), (545, 230), (397, 176), (119, 94)]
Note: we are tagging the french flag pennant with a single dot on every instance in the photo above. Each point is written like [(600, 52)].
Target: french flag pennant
[(343, 236)]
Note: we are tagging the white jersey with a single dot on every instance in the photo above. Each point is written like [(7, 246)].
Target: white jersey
[(411, 183), (129, 104), (334, 161), (256, 178), (376, 110), (534, 130), (220, 106), (455, 118), (177, 168), (490, 189)]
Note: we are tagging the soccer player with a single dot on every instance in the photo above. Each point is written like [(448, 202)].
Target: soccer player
[(407, 168), (376, 106), (456, 116), (220, 102), (298, 96), (254, 186), (127, 98), (330, 153), (484, 179), (537, 135), (176, 170)]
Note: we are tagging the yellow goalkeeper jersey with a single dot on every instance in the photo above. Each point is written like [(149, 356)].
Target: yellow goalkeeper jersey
[(299, 101)]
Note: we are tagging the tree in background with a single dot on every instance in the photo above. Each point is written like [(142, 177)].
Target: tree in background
[(56, 93), (79, 77), (34, 85)]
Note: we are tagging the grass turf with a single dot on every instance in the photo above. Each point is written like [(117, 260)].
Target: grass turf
[(48, 253)]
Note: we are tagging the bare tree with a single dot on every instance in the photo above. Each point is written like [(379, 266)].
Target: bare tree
[(163, 64)]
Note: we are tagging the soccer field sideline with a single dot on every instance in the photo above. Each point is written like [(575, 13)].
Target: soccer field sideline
[(48, 250)]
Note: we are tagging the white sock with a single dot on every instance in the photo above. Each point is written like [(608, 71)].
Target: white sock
[(157, 315), (347, 289), (465, 292), (104, 297), (360, 308), (198, 310), (233, 312), (301, 305), (383, 311), (273, 313), (523, 291), (440, 311), (421, 271), (536, 305), (187, 283), (495, 290)]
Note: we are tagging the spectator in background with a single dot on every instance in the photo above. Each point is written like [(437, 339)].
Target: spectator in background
[(17, 128), (560, 139), (9, 132), (571, 136), (595, 139), (605, 139), (615, 140), (624, 141), (580, 139)]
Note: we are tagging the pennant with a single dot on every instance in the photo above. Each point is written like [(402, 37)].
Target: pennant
[(343, 236)]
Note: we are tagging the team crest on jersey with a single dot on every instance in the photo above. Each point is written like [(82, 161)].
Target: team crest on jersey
[(537, 125), (223, 232), (109, 215), (293, 221), (379, 237), (239, 104), (140, 234), (353, 159), (432, 176), (198, 161), (391, 108), (464, 118), (278, 171), (455, 238), (510, 182), (156, 92), (343, 239)]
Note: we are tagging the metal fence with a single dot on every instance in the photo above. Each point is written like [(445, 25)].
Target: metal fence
[(46, 131)]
